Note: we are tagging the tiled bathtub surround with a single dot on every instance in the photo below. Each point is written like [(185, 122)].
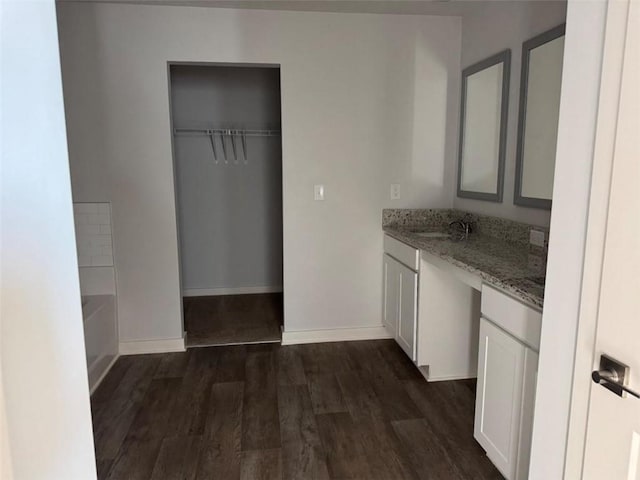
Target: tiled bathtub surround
[(93, 234)]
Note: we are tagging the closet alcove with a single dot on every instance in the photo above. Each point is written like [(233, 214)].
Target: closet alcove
[(227, 153)]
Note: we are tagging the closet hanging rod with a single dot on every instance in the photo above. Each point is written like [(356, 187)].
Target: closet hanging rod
[(227, 131)]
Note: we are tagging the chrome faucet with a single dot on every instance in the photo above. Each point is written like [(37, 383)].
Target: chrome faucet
[(465, 225)]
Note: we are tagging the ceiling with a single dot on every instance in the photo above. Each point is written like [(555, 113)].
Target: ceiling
[(406, 7)]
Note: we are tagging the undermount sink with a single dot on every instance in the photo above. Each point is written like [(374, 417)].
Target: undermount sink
[(432, 234)]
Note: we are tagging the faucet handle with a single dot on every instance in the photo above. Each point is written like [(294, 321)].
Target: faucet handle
[(470, 222)]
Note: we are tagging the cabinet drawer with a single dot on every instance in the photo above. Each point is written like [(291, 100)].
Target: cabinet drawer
[(520, 320), (402, 252)]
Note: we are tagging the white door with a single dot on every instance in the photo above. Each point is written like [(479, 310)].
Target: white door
[(612, 448), (391, 293), (407, 317), (501, 362)]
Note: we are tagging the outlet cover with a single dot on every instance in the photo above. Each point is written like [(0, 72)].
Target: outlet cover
[(395, 191), (536, 237), (318, 192)]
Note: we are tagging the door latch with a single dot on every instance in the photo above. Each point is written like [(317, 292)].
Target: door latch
[(613, 375)]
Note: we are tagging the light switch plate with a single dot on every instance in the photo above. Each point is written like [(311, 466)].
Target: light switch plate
[(318, 192), (395, 191), (536, 237)]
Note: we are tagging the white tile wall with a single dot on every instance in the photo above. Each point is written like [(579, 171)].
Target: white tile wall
[(93, 234)]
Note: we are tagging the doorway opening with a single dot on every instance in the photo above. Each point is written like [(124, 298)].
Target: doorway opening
[(227, 152)]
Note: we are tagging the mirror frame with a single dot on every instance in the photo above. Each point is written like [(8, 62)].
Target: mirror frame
[(527, 47), (503, 57)]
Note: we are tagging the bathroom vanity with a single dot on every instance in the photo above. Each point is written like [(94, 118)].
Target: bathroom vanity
[(467, 307)]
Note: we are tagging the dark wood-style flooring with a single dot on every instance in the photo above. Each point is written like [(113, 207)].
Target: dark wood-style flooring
[(232, 319), (356, 410)]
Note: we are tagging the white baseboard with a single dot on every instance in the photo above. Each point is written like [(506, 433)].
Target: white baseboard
[(335, 335), (94, 382), (164, 345), (445, 378), (209, 292)]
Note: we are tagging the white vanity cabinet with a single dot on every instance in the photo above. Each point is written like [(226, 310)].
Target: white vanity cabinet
[(407, 321), (507, 370), (391, 293), (401, 303), (437, 311), (431, 314)]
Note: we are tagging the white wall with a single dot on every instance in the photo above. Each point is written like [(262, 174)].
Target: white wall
[(367, 100), (498, 26), (6, 467), (44, 376), (229, 209)]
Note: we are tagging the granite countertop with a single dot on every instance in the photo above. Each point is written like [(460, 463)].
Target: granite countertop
[(504, 265)]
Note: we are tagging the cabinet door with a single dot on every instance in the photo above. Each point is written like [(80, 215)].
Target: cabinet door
[(391, 294), (530, 378), (501, 360), (407, 318)]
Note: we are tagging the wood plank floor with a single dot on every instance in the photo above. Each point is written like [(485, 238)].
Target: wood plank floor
[(232, 319), (353, 410)]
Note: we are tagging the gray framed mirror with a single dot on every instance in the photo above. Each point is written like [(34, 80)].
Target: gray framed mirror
[(540, 82), (483, 128)]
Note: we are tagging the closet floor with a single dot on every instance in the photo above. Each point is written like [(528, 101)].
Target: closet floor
[(345, 410), (232, 319)]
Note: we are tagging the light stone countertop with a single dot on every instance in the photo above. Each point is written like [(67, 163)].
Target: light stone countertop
[(504, 265)]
